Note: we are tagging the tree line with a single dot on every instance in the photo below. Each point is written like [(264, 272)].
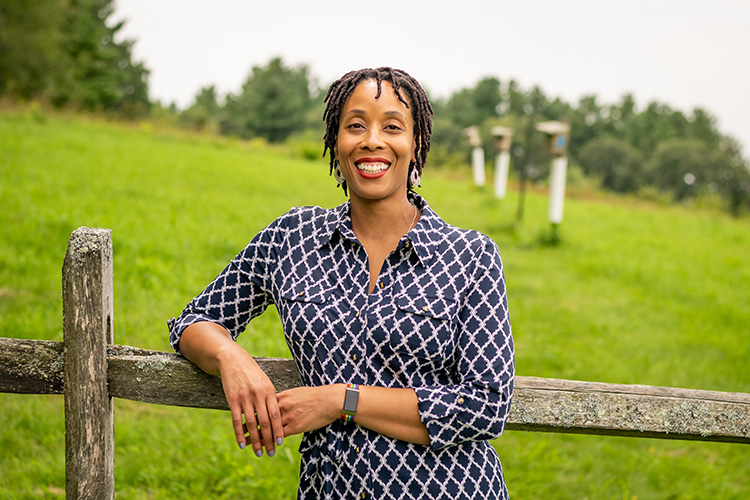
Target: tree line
[(65, 52)]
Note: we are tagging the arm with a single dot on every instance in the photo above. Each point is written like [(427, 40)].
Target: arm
[(389, 411), (248, 389), (205, 332), (476, 406)]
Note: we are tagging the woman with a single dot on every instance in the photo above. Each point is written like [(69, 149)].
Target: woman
[(397, 321)]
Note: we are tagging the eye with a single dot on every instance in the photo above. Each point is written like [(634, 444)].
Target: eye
[(354, 126), (393, 127)]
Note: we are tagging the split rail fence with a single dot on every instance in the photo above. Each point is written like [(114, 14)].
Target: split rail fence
[(90, 370)]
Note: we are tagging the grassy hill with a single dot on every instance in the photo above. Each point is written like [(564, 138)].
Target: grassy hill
[(636, 293)]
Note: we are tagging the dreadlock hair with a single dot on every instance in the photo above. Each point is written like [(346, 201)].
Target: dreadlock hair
[(402, 83)]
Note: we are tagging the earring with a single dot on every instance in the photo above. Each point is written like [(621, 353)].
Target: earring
[(414, 177), (337, 173)]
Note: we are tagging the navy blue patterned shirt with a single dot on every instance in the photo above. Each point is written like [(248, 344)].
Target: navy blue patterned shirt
[(437, 322)]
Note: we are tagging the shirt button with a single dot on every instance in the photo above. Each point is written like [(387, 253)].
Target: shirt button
[(301, 294), (357, 315), (424, 308), (460, 400), (356, 449), (381, 286), (354, 357), (364, 496)]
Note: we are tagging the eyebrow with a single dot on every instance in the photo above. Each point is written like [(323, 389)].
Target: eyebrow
[(387, 113)]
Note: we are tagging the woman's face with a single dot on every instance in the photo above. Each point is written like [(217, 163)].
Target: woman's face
[(375, 143)]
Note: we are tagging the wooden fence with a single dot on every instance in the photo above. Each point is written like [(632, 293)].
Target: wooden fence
[(90, 371)]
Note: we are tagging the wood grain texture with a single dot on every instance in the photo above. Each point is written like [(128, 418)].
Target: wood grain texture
[(542, 405), (87, 330)]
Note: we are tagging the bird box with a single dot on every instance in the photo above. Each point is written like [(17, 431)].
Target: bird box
[(557, 136), (473, 134), (503, 137)]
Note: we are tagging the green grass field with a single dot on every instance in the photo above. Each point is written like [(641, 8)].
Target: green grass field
[(636, 293)]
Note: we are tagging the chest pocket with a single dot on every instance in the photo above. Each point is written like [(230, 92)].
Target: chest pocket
[(305, 310), (425, 327)]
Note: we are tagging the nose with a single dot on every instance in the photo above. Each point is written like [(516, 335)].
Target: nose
[(373, 139)]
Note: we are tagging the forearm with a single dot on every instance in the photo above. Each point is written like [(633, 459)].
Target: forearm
[(248, 389), (204, 343), (392, 412)]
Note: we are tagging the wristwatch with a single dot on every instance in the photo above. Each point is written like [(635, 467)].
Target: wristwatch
[(351, 400)]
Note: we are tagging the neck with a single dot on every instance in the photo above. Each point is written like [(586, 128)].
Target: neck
[(382, 219)]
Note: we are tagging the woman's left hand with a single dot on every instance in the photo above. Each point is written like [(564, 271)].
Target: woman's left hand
[(307, 408)]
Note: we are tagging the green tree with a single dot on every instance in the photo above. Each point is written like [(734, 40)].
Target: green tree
[(617, 164), (103, 74), (205, 111), (585, 122), (730, 176), (273, 104), (30, 47), (64, 51), (681, 167), (472, 106)]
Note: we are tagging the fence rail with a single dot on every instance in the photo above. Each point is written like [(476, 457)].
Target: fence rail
[(90, 370), (539, 404)]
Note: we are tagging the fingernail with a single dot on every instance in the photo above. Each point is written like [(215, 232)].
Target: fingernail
[(259, 453), (272, 453), (279, 441), (242, 446)]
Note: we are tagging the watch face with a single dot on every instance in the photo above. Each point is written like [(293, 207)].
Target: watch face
[(350, 400)]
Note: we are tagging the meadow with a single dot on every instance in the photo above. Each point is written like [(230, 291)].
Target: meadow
[(636, 293)]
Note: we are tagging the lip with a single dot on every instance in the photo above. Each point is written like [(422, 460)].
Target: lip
[(369, 159)]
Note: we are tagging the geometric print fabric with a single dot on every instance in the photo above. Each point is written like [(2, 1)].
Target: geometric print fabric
[(437, 322)]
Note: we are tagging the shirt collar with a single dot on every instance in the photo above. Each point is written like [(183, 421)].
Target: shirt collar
[(424, 237)]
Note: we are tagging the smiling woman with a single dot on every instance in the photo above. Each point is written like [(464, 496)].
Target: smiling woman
[(375, 145), (398, 322)]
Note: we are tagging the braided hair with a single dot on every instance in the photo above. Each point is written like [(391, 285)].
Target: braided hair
[(402, 83)]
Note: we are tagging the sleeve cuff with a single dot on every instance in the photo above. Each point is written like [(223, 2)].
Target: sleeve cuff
[(454, 414)]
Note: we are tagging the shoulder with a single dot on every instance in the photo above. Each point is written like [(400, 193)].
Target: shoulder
[(302, 215), (470, 241), (307, 226), (309, 220)]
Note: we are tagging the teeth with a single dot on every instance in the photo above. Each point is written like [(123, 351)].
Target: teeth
[(372, 168)]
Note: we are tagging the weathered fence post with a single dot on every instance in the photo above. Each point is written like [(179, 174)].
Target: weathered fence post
[(87, 329)]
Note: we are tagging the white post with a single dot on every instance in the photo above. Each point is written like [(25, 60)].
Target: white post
[(557, 189), (477, 160), (502, 166)]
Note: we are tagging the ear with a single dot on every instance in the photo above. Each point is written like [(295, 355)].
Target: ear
[(414, 151)]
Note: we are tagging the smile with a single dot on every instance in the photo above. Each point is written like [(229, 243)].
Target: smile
[(372, 168)]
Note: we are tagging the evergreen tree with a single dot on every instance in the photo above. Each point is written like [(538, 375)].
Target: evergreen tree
[(30, 47), (65, 51), (273, 103), (104, 75)]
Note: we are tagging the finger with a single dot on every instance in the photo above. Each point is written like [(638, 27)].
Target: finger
[(274, 412), (252, 430), (266, 433), (247, 433), (237, 425)]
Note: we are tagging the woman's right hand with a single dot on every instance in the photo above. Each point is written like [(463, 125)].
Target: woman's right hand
[(250, 393)]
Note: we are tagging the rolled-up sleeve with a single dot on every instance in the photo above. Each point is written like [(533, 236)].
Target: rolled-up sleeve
[(238, 294), (477, 407)]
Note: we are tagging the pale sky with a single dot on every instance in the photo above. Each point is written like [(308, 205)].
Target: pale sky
[(684, 53)]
